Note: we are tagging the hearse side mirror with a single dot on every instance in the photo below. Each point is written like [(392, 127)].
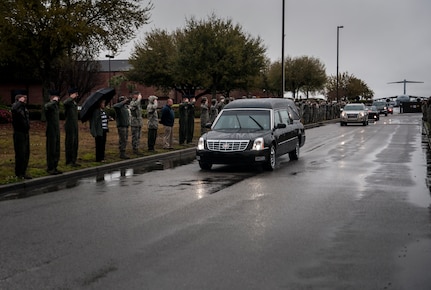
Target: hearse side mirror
[(280, 126)]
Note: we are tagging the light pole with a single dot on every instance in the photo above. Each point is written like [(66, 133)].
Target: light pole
[(338, 42), (109, 66), (283, 76)]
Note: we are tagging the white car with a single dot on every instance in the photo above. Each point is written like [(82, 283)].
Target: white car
[(354, 113)]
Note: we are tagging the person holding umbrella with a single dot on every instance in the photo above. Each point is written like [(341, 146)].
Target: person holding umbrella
[(52, 133), (71, 127), (92, 102), (99, 128), (93, 110)]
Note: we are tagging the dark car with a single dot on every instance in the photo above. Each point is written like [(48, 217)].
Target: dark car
[(254, 132), (381, 107), (373, 114)]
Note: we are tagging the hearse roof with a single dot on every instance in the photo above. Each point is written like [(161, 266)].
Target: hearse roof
[(267, 103)]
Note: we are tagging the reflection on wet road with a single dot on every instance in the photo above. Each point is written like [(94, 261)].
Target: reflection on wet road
[(221, 178)]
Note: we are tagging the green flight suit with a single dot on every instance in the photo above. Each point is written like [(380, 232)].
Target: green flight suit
[(52, 135), (71, 129)]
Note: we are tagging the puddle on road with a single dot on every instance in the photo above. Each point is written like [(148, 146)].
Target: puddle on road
[(420, 193)]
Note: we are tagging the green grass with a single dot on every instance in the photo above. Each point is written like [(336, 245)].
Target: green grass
[(86, 151)]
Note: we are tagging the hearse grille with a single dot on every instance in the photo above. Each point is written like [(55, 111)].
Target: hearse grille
[(227, 145)]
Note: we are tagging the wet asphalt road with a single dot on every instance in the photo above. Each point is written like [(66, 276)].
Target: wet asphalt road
[(352, 213)]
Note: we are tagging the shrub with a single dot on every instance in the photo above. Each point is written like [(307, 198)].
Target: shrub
[(5, 116)]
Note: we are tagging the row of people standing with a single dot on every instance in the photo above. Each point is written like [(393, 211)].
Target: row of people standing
[(208, 113), (129, 113), (52, 115), (133, 111), (21, 138)]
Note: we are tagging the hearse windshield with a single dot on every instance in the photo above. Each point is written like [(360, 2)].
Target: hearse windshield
[(244, 119)]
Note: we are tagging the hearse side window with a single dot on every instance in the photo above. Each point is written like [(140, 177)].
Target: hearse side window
[(277, 118), (284, 115)]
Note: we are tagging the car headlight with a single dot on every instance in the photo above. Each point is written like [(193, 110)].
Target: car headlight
[(258, 144), (361, 114), (343, 114), (201, 144)]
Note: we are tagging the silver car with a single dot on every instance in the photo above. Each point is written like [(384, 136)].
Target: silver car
[(354, 113)]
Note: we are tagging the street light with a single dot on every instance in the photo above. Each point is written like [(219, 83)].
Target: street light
[(109, 66), (283, 76), (338, 41)]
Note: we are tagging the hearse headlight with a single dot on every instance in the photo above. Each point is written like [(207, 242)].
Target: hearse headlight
[(258, 144), (201, 144)]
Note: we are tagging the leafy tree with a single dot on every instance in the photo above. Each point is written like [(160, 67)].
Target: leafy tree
[(218, 55), (349, 87), (306, 74), (36, 35), (153, 60), (274, 78), (213, 55), (303, 74)]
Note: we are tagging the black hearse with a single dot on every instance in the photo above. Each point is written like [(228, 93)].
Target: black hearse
[(252, 131)]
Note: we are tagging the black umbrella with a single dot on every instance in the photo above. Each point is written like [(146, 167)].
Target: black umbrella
[(92, 102)]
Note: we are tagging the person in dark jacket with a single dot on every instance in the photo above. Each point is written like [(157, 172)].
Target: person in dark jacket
[(167, 120), (21, 138), (52, 133), (71, 128), (122, 118), (99, 129)]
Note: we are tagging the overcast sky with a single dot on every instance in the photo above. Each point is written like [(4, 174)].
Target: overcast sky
[(382, 40)]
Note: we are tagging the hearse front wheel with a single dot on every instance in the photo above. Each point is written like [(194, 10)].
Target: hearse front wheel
[(272, 161), (205, 165)]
